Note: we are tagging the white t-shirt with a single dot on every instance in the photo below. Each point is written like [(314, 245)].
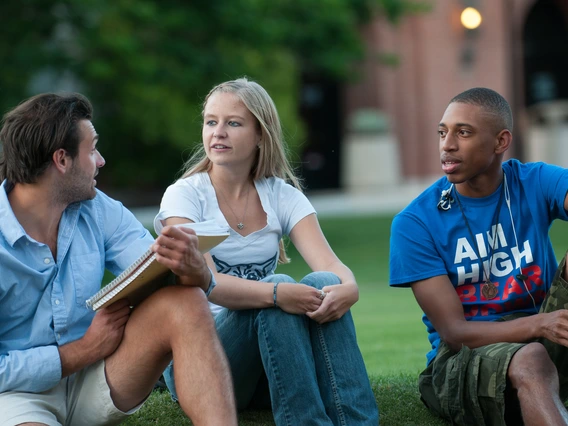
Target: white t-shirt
[(252, 257)]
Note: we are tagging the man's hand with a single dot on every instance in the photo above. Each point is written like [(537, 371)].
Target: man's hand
[(178, 249), (106, 331), (101, 339), (554, 326), (297, 298), (337, 302)]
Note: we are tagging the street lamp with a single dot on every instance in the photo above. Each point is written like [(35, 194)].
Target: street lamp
[(470, 18)]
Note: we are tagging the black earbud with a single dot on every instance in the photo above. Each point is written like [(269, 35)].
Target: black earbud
[(522, 277)]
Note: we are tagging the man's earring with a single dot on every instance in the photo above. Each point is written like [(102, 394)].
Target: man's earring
[(258, 145)]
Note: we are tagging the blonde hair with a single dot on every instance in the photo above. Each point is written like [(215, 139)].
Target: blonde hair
[(271, 159)]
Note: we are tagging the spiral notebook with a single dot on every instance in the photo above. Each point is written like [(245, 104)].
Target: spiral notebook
[(146, 275)]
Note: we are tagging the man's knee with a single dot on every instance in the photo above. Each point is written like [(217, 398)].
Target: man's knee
[(177, 305), (531, 365)]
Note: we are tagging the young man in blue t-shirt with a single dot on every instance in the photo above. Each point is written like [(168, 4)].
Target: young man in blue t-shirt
[(475, 250)]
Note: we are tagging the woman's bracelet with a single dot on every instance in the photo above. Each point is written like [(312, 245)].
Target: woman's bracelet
[(274, 293)]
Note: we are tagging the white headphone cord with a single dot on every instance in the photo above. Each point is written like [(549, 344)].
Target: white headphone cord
[(508, 201)]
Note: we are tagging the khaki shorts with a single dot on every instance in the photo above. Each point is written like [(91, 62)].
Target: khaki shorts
[(80, 399)]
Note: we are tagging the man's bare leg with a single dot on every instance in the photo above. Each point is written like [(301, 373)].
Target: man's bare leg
[(534, 377), (174, 320)]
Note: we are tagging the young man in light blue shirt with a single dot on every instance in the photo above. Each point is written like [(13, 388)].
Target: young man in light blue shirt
[(60, 362)]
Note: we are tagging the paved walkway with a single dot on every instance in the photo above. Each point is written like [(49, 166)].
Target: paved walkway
[(387, 200)]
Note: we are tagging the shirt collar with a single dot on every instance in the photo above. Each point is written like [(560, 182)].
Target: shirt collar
[(12, 230), (9, 225)]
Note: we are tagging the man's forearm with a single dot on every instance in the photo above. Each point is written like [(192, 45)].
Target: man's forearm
[(474, 334), (75, 356)]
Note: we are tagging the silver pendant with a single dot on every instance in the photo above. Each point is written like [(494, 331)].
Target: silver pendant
[(240, 225)]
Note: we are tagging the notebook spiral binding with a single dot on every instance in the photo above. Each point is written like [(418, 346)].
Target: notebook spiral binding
[(115, 286)]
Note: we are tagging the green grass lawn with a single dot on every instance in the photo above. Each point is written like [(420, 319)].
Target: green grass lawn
[(390, 332)]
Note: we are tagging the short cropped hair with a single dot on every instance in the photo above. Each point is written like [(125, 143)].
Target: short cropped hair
[(491, 102), (35, 129)]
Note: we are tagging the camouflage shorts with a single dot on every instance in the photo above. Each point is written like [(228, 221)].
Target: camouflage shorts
[(468, 387)]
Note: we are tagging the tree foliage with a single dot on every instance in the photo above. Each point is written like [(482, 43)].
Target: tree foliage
[(147, 64)]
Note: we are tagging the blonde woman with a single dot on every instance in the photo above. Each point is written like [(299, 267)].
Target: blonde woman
[(291, 342)]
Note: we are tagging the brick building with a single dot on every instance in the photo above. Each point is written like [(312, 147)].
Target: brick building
[(520, 49)]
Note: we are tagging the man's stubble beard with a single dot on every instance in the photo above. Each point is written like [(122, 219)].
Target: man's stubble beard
[(75, 189)]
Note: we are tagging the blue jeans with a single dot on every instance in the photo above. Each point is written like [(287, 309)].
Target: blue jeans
[(315, 372)]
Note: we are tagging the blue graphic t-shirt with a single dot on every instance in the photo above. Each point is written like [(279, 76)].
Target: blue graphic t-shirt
[(254, 256), (427, 242)]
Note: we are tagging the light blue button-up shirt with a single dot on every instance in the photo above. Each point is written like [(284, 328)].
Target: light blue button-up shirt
[(42, 299)]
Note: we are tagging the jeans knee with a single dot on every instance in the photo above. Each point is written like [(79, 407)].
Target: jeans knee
[(239, 319), (320, 279), (278, 322), (170, 381), (531, 365), (278, 278)]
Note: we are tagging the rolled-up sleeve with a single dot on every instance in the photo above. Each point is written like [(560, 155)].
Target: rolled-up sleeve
[(32, 370)]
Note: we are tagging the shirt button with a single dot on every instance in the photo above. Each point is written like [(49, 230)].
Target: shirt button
[(46, 260), (58, 336), (57, 301)]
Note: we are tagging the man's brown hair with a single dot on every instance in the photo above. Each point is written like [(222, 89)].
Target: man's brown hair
[(35, 129)]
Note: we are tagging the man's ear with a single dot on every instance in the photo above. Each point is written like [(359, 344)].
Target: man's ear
[(61, 160), (504, 139)]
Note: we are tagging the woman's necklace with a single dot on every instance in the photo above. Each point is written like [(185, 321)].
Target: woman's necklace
[(489, 289), (240, 223)]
